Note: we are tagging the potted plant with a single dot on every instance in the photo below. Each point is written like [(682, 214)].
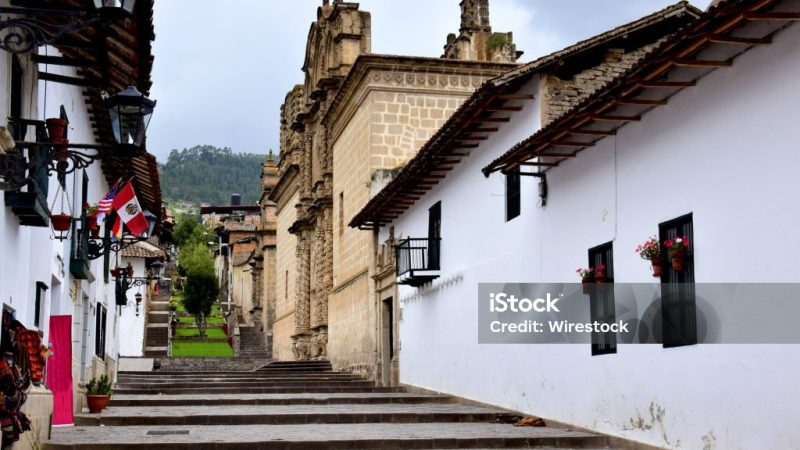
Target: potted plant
[(98, 393), (651, 251), (677, 248), (587, 278), (91, 218), (600, 274), (115, 272)]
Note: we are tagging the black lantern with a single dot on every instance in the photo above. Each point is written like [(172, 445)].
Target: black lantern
[(138, 298), (118, 8), (130, 113), (151, 223)]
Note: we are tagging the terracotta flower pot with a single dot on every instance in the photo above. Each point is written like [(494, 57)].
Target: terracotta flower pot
[(658, 269), (586, 284), (56, 129), (115, 272), (94, 227), (678, 259), (97, 402), (60, 146), (61, 222)]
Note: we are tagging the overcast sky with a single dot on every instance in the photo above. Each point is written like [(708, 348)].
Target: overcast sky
[(222, 68)]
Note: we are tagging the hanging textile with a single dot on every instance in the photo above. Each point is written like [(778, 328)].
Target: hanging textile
[(59, 369)]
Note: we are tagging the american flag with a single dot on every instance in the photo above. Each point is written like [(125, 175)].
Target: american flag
[(104, 205)]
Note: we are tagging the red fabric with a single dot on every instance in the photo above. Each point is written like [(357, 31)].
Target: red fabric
[(59, 369)]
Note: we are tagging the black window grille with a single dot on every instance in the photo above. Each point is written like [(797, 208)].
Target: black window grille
[(41, 289), (100, 332), (678, 304), (602, 303)]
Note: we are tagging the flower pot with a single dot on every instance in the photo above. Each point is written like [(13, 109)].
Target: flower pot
[(678, 260), (115, 272), (658, 269), (94, 227), (61, 222), (97, 402), (56, 128), (586, 284), (60, 146)]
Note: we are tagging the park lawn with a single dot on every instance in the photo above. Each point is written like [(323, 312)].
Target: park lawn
[(211, 333), (212, 320), (201, 349)]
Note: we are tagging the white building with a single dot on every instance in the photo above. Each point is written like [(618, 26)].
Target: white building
[(42, 278), (698, 135)]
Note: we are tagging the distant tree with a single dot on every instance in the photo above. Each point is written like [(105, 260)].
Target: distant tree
[(201, 288)]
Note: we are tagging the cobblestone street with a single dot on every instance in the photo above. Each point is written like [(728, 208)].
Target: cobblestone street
[(293, 406)]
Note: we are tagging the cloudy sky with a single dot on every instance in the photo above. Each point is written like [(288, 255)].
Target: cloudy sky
[(222, 68)]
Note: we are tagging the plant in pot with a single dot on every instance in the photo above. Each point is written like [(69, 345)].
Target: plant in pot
[(600, 274), (677, 248), (98, 393), (587, 278), (91, 213), (651, 251)]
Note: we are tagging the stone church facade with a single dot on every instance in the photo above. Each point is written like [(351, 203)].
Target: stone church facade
[(354, 122)]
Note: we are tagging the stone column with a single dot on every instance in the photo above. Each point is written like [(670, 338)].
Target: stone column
[(302, 318)]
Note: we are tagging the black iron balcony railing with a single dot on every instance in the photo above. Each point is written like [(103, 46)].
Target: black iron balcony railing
[(417, 255)]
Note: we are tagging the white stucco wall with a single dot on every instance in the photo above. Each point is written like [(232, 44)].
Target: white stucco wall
[(728, 145), (131, 327), (29, 253)]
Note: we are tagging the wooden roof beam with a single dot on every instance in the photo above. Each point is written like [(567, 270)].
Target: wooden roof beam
[(557, 155), (723, 39), (615, 118), (641, 101), (483, 130), (666, 84), (538, 164), (64, 61), (494, 119), (516, 97), (55, 78), (571, 144), (504, 108), (683, 62), (774, 15), (592, 132)]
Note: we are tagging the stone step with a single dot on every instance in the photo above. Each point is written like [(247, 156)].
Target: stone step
[(223, 373), (157, 376), (254, 390), (275, 399), (321, 436), (158, 317), (288, 414), (243, 384)]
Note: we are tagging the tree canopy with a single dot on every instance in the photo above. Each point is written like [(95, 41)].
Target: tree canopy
[(201, 286), (207, 174)]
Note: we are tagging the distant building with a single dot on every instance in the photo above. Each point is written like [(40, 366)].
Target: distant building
[(357, 117)]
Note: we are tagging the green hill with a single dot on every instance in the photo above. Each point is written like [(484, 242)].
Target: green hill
[(207, 174)]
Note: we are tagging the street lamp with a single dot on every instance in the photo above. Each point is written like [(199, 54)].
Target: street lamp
[(130, 113), (138, 298), (112, 8)]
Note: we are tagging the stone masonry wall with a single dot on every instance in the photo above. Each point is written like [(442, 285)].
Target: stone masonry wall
[(562, 95), (285, 276)]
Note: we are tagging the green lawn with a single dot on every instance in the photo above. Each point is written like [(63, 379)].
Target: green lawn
[(200, 349), (210, 320), (212, 333)]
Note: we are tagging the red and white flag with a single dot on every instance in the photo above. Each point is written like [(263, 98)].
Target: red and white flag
[(128, 209)]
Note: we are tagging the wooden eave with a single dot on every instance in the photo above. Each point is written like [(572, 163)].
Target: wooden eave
[(110, 57), (712, 42)]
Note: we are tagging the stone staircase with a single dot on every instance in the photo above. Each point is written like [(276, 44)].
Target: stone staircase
[(156, 334), (294, 405), (251, 342)]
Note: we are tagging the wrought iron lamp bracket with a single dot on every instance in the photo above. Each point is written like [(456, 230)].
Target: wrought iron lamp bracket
[(24, 29), (98, 247)]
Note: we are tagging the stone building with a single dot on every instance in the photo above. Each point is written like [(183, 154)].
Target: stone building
[(357, 118)]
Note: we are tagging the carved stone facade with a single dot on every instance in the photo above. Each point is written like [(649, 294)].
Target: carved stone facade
[(475, 39), (357, 114), (263, 265)]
